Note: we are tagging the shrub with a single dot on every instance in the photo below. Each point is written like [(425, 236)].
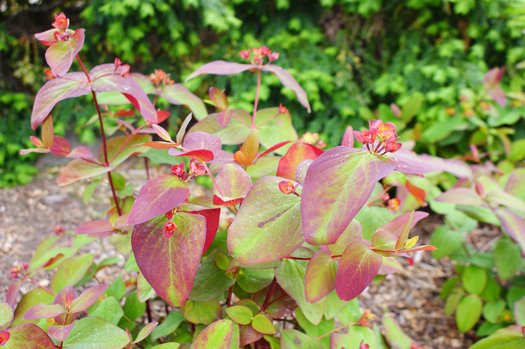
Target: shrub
[(303, 231)]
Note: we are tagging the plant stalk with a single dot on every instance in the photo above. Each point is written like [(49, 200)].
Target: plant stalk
[(256, 101)]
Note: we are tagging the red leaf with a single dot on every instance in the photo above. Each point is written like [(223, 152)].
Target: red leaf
[(297, 153), (417, 192), (212, 217), (357, 268), (98, 228)]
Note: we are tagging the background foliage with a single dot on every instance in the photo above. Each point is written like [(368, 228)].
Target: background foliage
[(356, 58)]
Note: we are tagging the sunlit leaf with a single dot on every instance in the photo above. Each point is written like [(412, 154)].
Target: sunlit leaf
[(320, 276)]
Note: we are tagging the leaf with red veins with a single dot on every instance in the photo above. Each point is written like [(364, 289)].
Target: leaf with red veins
[(178, 94), (60, 333), (158, 196), (28, 336), (288, 81), (267, 226), (97, 228), (398, 224), (61, 54), (352, 233), (296, 154), (221, 68), (87, 298), (320, 276), (221, 334), (170, 265), (232, 182), (492, 83), (357, 268), (514, 225), (337, 185), (69, 86)]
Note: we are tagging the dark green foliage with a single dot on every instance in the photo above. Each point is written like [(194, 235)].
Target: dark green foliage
[(355, 58)]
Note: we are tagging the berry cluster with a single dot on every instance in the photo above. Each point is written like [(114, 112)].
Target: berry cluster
[(159, 77)]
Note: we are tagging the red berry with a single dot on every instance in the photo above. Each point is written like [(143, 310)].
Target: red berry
[(286, 187), (169, 229), (169, 214)]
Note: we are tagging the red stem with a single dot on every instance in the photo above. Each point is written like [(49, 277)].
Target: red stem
[(269, 294), (256, 102), (146, 165), (103, 133)]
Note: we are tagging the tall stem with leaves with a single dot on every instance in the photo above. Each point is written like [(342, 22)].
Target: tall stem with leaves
[(256, 101), (104, 141)]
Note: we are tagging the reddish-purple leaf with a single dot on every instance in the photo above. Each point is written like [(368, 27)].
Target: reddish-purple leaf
[(232, 182), (357, 268), (44, 311), (411, 163), (463, 196), (170, 264), (104, 79), (320, 276), (268, 225), (87, 298), (28, 336), (60, 147), (203, 146), (158, 196), (399, 223), (60, 333), (212, 216), (178, 94), (61, 54), (492, 83), (514, 225), (98, 228), (384, 240), (182, 130), (348, 137), (337, 185), (296, 154), (288, 81), (80, 152), (221, 68), (69, 86)]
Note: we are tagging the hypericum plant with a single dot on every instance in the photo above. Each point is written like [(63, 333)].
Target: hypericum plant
[(250, 262)]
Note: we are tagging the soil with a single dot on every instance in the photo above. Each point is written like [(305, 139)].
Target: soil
[(29, 213)]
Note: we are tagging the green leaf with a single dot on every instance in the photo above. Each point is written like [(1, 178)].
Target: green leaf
[(110, 310), (6, 314), (240, 314), (354, 337), (452, 301), (474, 279), (291, 276), (178, 94), (170, 324), (145, 331), (33, 297), (222, 334), (492, 291), (320, 276), (210, 282), (201, 312), (519, 312), (71, 271), (268, 225), (133, 309), (507, 257), (95, 333), (468, 312), (292, 339), (506, 338), (253, 280), (167, 346), (492, 310), (394, 334), (446, 240), (261, 323), (275, 127)]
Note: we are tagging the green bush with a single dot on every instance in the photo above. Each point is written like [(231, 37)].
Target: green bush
[(426, 56)]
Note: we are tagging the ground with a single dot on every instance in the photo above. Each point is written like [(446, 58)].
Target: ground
[(29, 213)]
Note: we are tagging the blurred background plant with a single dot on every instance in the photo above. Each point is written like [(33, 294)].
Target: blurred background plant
[(418, 63)]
